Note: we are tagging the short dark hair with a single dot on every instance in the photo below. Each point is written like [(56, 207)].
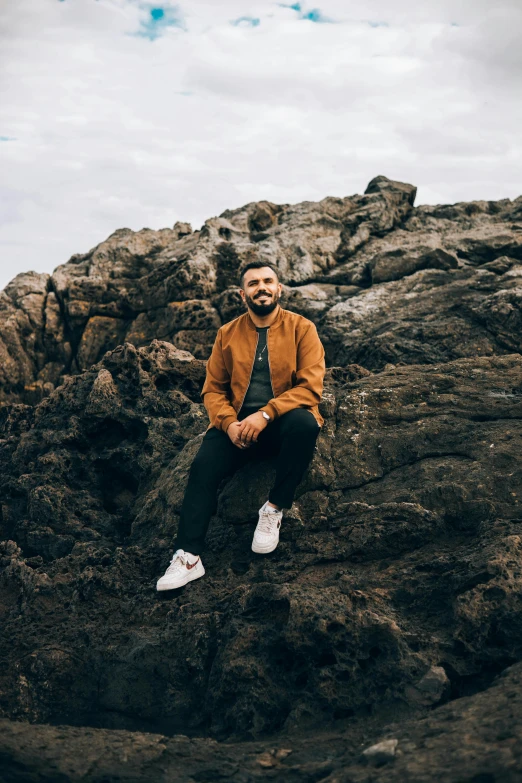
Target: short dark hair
[(257, 265)]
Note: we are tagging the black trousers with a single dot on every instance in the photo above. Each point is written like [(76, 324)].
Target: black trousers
[(291, 438)]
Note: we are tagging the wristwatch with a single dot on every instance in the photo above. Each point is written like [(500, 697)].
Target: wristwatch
[(265, 414)]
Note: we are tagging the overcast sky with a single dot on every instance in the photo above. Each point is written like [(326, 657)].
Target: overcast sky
[(129, 113)]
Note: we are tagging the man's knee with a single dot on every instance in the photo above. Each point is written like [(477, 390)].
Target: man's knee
[(300, 422), (213, 456)]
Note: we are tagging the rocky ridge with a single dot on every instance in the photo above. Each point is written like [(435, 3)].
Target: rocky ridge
[(385, 282), (393, 603)]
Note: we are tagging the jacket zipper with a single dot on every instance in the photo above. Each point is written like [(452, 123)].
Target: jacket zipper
[(251, 371), (268, 358)]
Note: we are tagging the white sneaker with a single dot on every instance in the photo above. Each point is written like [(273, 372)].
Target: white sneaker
[(183, 568), (266, 536)]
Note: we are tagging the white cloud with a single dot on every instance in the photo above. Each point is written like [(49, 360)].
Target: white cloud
[(103, 125)]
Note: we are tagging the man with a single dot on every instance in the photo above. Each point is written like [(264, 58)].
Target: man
[(262, 388)]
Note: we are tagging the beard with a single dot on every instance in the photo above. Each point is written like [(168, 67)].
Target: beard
[(262, 309)]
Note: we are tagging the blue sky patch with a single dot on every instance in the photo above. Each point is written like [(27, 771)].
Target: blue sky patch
[(315, 15), (7, 138), (157, 19), (378, 24), (251, 21)]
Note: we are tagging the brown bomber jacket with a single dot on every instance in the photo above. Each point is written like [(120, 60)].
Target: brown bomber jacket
[(296, 362)]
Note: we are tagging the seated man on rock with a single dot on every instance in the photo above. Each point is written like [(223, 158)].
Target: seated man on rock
[(264, 380)]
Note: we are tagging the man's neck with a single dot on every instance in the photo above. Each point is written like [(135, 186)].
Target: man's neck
[(264, 320)]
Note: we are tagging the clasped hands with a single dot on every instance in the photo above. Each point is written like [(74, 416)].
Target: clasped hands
[(244, 433)]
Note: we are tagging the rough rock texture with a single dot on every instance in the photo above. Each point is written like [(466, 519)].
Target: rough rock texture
[(476, 739), (394, 600), (384, 281)]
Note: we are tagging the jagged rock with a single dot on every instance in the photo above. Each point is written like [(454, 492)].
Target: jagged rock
[(384, 282), (431, 316), (75, 473), (398, 262), (396, 586), (22, 307), (477, 738), (182, 229), (432, 688), (193, 317), (367, 269), (395, 560), (381, 753)]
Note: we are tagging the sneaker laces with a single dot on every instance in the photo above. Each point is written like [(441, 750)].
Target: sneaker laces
[(267, 520), (179, 559)]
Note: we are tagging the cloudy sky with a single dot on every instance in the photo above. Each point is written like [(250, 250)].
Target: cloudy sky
[(130, 113)]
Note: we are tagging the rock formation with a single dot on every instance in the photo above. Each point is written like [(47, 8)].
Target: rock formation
[(384, 282), (391, 611)]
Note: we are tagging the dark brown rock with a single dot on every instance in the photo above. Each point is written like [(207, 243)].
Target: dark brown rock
[(477, 738), (393, 600), (75, 473), (431, 316), (395, 559)]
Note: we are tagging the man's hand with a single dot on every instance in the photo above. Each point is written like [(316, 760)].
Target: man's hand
[(250, 428), (233, 431)]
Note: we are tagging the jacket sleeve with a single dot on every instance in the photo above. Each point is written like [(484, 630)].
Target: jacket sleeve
[(308, 388), (216, 389)]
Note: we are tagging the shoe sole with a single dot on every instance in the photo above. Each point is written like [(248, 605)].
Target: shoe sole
[(264, 550), (190, 578)]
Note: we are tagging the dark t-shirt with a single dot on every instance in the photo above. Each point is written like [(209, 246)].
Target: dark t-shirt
[(260, 388)]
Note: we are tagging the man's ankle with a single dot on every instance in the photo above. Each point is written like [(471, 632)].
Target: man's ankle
[(273, 505)]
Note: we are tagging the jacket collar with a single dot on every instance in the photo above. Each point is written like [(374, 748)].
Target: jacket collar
[(278, 321)]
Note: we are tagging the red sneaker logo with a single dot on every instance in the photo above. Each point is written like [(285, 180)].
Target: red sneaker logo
[(191, 565)]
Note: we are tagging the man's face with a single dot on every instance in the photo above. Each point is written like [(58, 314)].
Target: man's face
[(261, 290)]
